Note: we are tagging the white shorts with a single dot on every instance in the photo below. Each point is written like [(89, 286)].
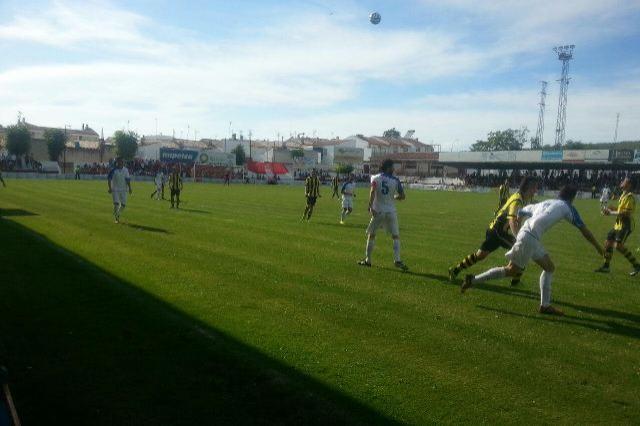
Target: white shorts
[(119, 197), (526, 247), (347, 202), (388, 221)]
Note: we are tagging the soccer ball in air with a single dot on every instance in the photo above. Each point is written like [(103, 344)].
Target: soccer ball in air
[(375, 18)]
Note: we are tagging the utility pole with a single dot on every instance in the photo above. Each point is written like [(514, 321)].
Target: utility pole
[(565, 54), (539, 140)]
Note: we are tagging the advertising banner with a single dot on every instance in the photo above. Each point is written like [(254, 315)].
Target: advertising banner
[(636, 156), (621, 155), (551, 155), (573, 156), (217, 158), (596, 155), (171, 155)]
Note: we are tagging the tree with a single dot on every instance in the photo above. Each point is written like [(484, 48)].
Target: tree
[(297, 153), (391, 133), (344, 169), (240, 155), (126, 144), (56, 141), (18, 140), (502, 140), (571, 144)]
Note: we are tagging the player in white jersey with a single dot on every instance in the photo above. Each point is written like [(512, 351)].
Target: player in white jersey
[(159, 181), (348, 194), (541, 217), (605, 197), (385, 190), (119, 183)]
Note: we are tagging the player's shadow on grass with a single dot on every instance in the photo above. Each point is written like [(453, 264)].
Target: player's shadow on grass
[(194, 211), (346, 225), (146, 228), (519, 292), (600, 325), (427, 275), (87, 347), (15, 213)]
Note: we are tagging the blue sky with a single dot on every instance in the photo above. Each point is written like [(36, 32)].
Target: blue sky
[(452, 70)]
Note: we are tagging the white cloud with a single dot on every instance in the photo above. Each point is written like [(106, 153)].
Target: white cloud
[(310, 62)]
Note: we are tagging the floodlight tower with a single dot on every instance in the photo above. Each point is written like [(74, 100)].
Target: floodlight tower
[(615, 135), (538, 141), (565, 54)]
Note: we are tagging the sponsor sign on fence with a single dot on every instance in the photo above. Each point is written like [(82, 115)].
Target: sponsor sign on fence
[(216, 158), (573, 156), (551, 155), (621, 155), (596, 155), (171, 155)]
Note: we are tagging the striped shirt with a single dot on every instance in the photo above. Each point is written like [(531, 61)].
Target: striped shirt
[(312, 186), (175, 181)]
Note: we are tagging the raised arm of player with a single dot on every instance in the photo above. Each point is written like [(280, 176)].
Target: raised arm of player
[(400, 195), (372, 198), (586, 233), (109, 177)]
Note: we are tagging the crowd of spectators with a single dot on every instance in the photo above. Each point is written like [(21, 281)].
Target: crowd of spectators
[(585, 180), (11, 163), (326, 177)]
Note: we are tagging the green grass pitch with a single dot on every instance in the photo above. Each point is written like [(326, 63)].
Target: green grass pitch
[(232, 311)]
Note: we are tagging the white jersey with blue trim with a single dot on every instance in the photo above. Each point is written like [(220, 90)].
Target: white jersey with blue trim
[(386, 187), (347, 189), (119, 178), (542, 216)]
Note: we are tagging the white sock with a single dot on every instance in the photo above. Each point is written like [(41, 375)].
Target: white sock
[(491, 274), (396, 250), (370, 245), (545, 288)]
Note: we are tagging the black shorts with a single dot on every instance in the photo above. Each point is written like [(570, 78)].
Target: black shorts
[(620, 235), (311, 201), (494, 240), (175, 192)]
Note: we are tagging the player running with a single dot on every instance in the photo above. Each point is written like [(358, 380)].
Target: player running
[(119, 181), (541, 217), (497, 235), (159, 181), (335, 183), (622, 229), (503, 194), (175, 185), (604, 198), (312, 192), (385, 190), (348, 194)]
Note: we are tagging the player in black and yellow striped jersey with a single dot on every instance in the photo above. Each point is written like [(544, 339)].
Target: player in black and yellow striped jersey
[(175, 185), (312, 192), (497, 235), (503, 194), (335, 184), (622, 229)]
